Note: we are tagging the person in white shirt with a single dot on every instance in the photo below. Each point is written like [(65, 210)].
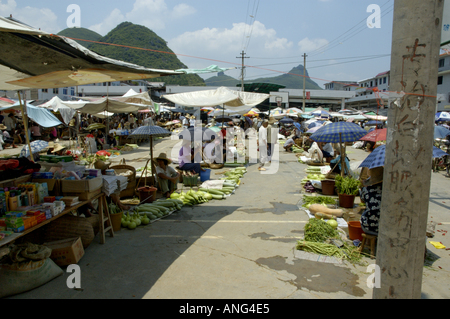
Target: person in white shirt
[(9, 123), (327, 150), (185, 122), (192, 121), (263, 145)]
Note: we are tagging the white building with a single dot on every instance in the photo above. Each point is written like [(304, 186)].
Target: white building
[(339, 85), (444, 83)]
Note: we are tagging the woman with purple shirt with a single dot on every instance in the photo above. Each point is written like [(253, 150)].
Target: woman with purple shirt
[(186, 157)]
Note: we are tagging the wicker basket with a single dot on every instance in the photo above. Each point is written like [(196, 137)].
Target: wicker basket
[(69, 227), (216, 166), (129, 171)]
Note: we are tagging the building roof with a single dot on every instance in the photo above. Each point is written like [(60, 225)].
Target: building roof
[(261, 87)]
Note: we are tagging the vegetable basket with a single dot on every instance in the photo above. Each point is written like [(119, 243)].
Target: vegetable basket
[(130, 172)]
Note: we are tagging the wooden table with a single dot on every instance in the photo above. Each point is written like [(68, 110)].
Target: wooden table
[(102, 207)]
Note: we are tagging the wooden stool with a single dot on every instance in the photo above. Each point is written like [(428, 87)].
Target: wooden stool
[(372, 239)]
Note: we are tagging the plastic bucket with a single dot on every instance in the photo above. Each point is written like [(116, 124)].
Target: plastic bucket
[(116, 221), (205, 176), (147, 194), (328, 187), (346, 201), (354, 230)]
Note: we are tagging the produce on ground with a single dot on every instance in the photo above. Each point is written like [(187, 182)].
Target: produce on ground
[(323, 200), (318, 208), (347, 185), (317, 230), (319, 238), (345, 252)]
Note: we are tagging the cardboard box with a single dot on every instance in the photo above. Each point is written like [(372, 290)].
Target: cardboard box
[(82, 186), (67, 251)]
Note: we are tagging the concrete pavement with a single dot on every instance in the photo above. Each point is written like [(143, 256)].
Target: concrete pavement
[(240, 248)]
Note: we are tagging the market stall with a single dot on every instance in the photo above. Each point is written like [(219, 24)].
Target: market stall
[(36, 205)]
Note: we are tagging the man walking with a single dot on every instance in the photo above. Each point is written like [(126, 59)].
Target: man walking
[(263, 145)]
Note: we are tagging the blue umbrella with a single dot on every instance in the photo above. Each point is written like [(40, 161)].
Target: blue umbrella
[(442, 116), (314, 124), (440, 132), (339, 132), (376, 158), (437, 152), (36, 147), (320, 113), (287, 120), (147, 131), (374, 123)]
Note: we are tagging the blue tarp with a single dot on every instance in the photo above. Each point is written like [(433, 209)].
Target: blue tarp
[(41, 116)]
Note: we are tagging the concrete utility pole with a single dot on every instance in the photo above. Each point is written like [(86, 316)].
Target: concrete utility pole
[(304, 82), (407, 171), (243, 57)]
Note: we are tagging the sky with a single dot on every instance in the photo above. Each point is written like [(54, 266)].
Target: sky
[(343, 39)]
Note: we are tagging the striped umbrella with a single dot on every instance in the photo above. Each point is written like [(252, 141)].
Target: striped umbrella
[(376, 158), (150, 131), (147, 131), (339, 132)]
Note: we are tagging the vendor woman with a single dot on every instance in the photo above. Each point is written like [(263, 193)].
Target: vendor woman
[(166, 175), (371, 196), (186, 157)]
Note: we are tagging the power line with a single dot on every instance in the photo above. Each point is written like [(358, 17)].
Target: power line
[(338, 39), (331, 59)]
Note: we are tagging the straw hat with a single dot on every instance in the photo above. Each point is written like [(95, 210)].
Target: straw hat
[(163, 156), (272, 120), (51, 144), (57, 147), (375, 176), (3, 127)]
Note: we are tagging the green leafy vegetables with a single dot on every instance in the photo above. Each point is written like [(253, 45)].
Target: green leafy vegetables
[(347, 185), (322, 200)]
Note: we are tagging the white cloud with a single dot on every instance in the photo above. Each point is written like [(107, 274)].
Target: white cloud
[(224, 45), (114, 18), (307, 45), (182, 10), (42, 18), (150, 13), (154, 14)]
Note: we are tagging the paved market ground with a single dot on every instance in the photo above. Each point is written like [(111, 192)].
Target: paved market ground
[(240, 248)]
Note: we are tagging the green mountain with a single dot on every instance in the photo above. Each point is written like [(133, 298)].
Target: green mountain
[(81, 33), (130, 35), (291, 80)]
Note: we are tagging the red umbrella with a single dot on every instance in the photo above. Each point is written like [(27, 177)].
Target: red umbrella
[(375, 136)]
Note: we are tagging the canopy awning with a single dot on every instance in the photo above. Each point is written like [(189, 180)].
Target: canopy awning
[(41, 116), (32, 58), (220, 96)]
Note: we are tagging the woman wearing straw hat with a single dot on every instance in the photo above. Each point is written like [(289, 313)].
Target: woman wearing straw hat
[(9, 141), (371, 196), (166, 175)]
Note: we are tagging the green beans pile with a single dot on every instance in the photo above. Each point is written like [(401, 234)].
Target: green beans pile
[(317, 230)]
